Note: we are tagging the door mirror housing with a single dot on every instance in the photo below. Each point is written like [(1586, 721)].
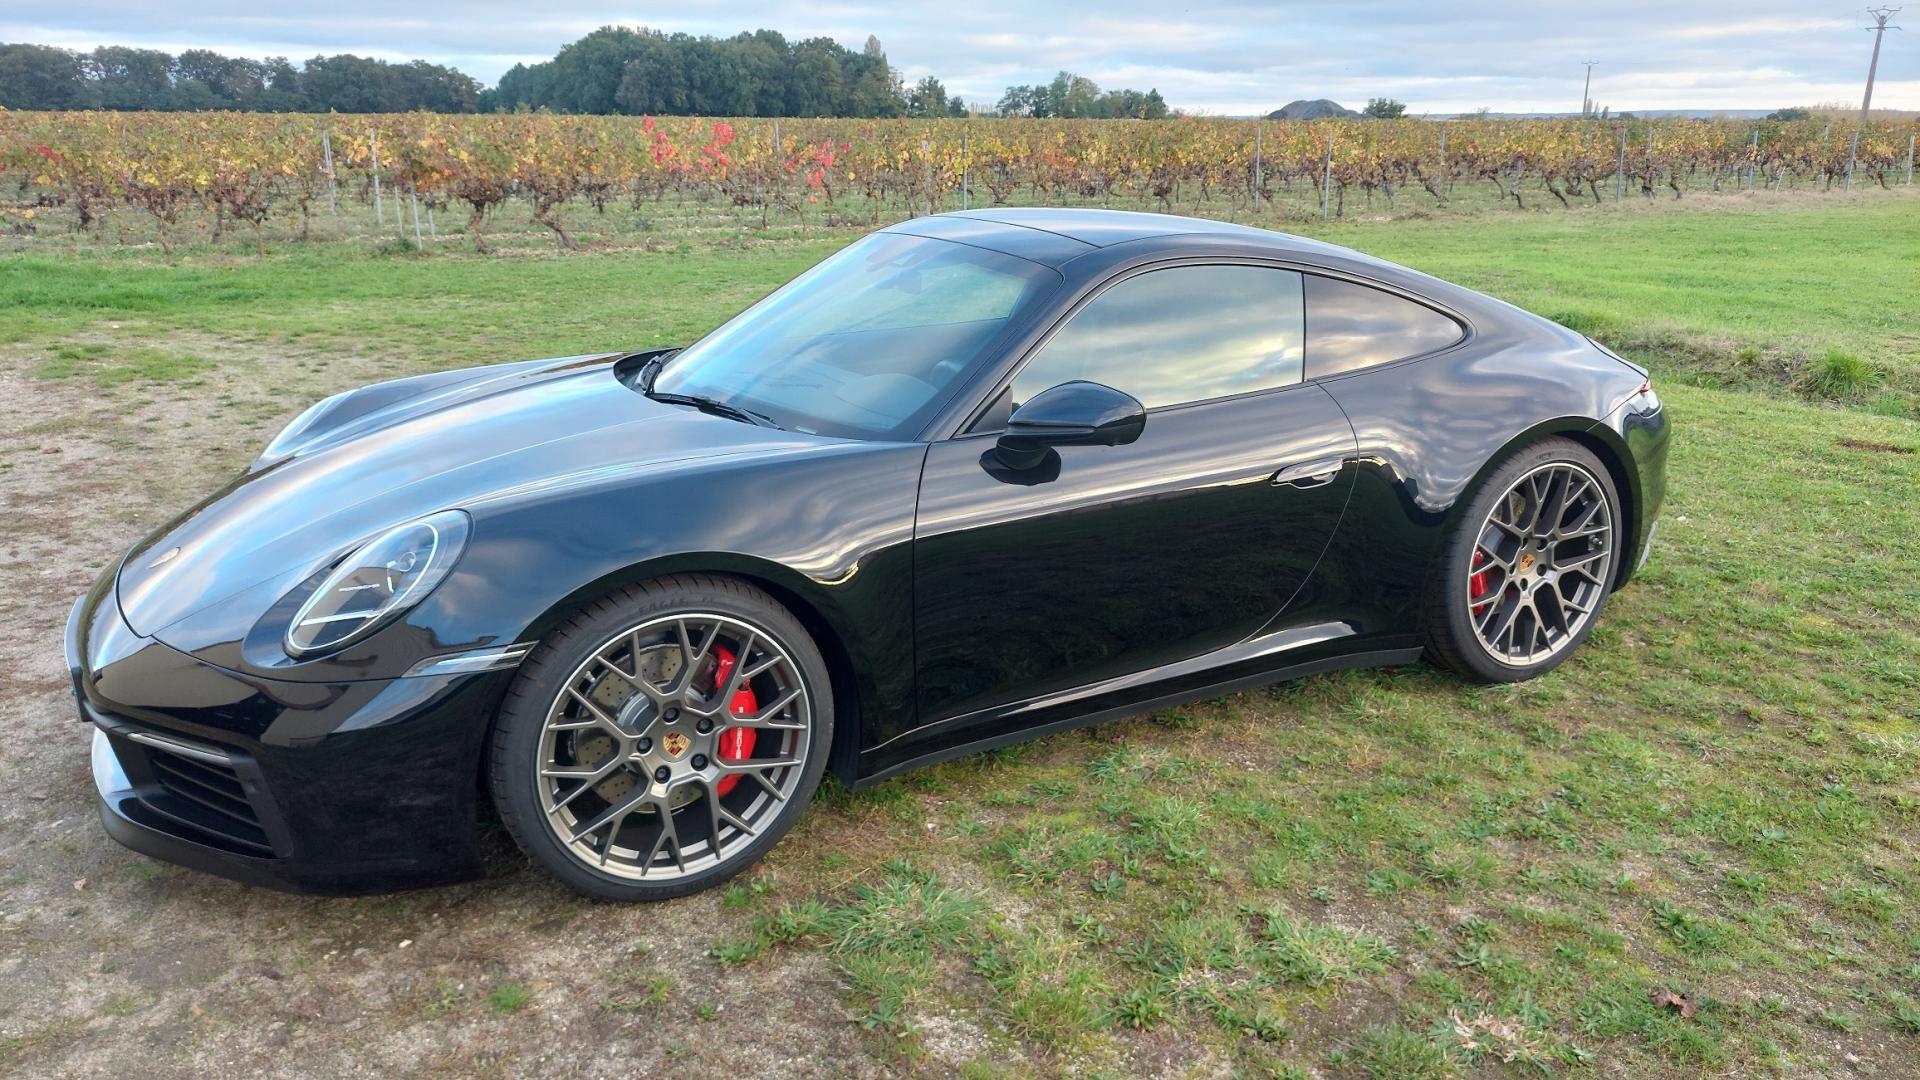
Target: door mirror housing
[(1075, 413)]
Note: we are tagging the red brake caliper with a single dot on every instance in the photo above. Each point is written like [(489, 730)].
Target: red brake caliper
[(1478, 585), (735, 742)]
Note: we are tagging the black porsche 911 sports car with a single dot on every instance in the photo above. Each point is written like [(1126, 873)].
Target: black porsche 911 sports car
[(975, 478)]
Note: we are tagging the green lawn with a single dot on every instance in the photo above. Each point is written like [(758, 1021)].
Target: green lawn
[(1819, 294), (1386, 874)]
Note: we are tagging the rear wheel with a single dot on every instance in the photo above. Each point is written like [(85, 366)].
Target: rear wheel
[(1524, 577), (663, 738)]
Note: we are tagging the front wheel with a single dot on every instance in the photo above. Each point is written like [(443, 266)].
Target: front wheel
[(1526, 573), (662, 739)]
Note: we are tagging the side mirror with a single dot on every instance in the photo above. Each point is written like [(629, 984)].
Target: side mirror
[(1071, 414)]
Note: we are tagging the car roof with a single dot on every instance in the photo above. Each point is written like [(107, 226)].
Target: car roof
[(1053, 235)]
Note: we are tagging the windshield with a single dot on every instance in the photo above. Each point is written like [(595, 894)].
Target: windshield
[(867, 344)]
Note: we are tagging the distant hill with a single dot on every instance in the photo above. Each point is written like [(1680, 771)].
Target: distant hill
[(1312, 110)]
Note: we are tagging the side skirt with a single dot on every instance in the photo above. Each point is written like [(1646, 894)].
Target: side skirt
[(1378, 658)]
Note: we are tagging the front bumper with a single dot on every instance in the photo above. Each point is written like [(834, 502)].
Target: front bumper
[(337, 788)]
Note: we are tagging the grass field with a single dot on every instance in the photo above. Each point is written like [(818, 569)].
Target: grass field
[(1692, 849)]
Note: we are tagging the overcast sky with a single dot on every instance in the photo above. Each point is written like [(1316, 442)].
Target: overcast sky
[(1233, 58)]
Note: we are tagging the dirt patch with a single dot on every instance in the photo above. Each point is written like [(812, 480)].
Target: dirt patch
[(1875, 447), (113, 963)]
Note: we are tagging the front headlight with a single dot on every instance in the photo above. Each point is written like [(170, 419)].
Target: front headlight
[(379, 580)]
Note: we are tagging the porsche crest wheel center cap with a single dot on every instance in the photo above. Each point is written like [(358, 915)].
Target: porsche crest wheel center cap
[(674, 744)]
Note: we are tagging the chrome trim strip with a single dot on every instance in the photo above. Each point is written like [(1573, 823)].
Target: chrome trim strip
[(184, 749), (467, 663)]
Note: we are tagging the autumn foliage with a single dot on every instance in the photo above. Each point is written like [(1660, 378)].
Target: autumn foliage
[(247, 167)]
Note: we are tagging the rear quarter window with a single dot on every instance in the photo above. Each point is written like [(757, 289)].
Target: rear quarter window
[(1352, 326)]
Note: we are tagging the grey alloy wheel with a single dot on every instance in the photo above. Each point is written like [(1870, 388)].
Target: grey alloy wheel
[(1541, 563), (673, 746)]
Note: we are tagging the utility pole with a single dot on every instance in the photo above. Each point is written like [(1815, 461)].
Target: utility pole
[(1879, 28), (1586, 101)]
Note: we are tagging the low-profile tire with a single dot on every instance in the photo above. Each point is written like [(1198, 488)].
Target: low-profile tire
[(1526, 572), (695, 697)]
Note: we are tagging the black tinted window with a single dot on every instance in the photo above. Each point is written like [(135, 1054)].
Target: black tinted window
[(1188, 333), (1352, 326)]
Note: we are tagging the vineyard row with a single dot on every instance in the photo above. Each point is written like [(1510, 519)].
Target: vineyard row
[(250, 167)]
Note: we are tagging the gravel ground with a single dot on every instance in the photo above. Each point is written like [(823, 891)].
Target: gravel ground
[(113, 963)]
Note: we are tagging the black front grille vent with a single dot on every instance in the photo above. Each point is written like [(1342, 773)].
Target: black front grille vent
[(199, 789)]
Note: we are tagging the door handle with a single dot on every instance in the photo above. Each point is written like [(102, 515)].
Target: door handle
[(1310, 474)]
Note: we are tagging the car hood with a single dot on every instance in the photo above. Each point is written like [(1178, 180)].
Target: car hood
[(445, 441)]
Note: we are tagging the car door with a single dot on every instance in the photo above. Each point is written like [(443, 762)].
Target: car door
[(1110, 560)]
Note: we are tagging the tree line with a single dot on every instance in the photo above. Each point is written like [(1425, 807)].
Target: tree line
[(122, 78), (1076, 97), (613, 70), (649, 72)]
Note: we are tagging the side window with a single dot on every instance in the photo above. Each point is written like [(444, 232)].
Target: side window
[(1352, 326), (1188, 333)]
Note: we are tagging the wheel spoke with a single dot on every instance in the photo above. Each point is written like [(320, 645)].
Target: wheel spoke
[(1572, 506), (767, 716), (754, 765), (738, 676), (1580, 560), (593, 709), (1510, 528), (1494, 558), (1554, 506), (671, 834), (1536, 500), (1546, 604), (589, 773), (1497, 620), (615, 812)]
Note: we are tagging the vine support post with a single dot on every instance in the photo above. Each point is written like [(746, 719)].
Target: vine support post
[(760, 189), (776, 174), (373, 140), (1620, 168), (926, 169), (1257, 129), (1910, 160), (1853, 148), (1443, 157), (326, 156), (966, 170), (413, 197), (1649, 159), (1326, 183), (1753, 157)]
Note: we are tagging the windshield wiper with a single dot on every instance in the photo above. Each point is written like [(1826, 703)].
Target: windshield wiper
[(651, 370), (717, 407)]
